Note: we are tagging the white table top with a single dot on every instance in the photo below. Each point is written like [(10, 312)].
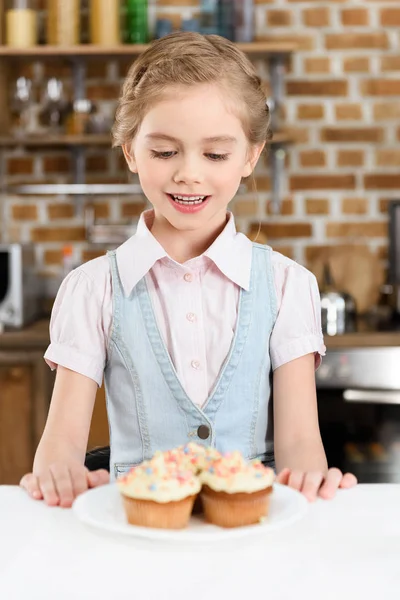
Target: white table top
[(348, 548)]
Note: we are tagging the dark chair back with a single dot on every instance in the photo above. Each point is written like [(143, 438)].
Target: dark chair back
[(98, 458)]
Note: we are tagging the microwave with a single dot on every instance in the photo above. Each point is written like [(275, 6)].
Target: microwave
[(19, 286)]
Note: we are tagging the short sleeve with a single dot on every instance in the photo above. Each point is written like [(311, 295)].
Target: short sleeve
[(77, 336), (297, 329)]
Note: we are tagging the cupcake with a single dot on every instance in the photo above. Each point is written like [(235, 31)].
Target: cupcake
[(157, 494), (236, 492), (193, 457)]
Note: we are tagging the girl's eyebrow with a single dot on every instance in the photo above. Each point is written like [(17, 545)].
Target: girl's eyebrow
[(217, 138)]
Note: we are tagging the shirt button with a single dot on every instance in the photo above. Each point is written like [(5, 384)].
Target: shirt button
[(188, 277), (191, 317), (203, 432), (195, 364)]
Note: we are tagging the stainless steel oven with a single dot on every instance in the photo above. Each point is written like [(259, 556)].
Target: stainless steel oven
[(359, 411)]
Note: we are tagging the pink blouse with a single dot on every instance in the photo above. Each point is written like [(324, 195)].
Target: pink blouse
[(195, 306)]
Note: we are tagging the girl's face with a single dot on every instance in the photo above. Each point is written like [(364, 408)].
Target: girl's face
[(191, 153)]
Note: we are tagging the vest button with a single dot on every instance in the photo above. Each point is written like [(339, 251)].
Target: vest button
[(203, 432)]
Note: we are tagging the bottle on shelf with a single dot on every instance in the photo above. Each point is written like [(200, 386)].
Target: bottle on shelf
[(63, 22), (137, 26), (226, 19), (21, 23), (105, 24), (209, 17), (244, 20), (163, 27)]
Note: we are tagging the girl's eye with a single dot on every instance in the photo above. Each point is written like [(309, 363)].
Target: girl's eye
[(217, 156), (169, 154)]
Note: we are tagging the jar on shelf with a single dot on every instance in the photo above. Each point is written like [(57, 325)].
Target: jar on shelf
[(78, 120), (21, 23), (137, 27), (105, 22), (63, 22)]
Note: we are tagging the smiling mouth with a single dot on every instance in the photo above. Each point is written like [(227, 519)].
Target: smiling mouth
[(187, 200)]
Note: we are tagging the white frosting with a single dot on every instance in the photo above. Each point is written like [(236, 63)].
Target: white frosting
[(158, 483), (233, 474), (239, 482)]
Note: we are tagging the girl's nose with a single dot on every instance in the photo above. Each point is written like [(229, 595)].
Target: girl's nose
[(188, 171)]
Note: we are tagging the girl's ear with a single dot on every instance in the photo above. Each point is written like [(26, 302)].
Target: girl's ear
[(129, 157), (252, 159)]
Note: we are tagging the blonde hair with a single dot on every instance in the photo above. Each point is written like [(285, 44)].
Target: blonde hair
[(185, 58)]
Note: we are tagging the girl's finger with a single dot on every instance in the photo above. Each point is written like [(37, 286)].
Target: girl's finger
[(283, 476), (30, 483), (296, 479), (331, 484), (47, 488), (79, 480), (99, 477), (311, 484), (63, 484), (349, 480)]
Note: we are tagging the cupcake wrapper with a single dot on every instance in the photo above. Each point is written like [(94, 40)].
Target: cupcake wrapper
[(235, 510), (166, 515)]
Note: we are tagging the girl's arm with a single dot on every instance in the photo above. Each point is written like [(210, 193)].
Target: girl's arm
[(58, 470), (68, 422), (298, 443), (299, 453)]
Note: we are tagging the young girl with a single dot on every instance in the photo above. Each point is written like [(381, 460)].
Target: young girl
[(196, 330)]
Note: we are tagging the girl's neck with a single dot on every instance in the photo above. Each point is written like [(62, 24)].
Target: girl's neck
[(180, 245)]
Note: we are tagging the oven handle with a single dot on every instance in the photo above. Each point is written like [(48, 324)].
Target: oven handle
[(372, 396)]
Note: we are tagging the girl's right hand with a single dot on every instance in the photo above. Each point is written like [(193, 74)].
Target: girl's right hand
[(60, 483)]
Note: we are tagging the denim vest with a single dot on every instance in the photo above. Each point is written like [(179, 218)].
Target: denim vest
[(149, 410)]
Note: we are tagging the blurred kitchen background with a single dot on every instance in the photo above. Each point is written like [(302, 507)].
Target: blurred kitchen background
[(327, 192)]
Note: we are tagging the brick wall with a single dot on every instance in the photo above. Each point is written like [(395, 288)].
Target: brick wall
[(343, 103)]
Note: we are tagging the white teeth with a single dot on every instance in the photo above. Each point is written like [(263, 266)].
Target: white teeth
[(185, 199)]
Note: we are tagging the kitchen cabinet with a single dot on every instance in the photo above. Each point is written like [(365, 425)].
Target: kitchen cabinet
[(26, 384), (24, 391)]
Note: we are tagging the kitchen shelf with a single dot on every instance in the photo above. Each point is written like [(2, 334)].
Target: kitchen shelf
[(56, 140), (91, 140), (82, 189), (75, 189), (92, 50), (274, 52)]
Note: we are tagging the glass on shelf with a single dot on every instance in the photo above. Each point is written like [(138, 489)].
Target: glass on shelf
[(21, 23), (21, 103), (63, 22), (101, 118), (54, 107)]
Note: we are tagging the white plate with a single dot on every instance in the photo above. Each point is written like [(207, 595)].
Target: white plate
[(102, 508)]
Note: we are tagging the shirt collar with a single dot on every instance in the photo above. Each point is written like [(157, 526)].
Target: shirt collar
[(231, 252), (137, 255)]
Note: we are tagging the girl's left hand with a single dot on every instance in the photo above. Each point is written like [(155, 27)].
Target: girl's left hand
[(316, 484)]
